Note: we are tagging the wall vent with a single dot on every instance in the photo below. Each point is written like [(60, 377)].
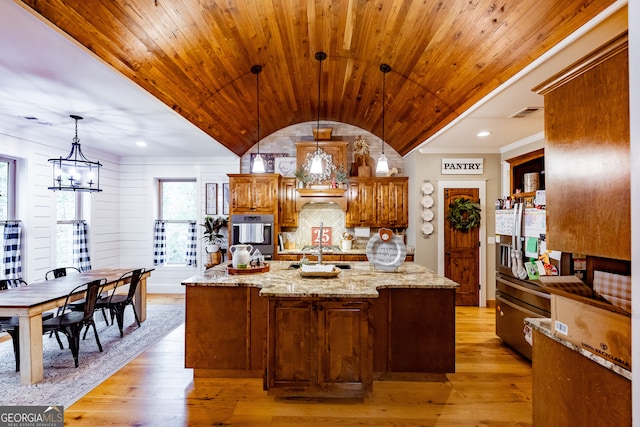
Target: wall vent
[(524, 112)]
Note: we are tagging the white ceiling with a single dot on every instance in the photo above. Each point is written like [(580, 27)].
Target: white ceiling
[(46, 76)]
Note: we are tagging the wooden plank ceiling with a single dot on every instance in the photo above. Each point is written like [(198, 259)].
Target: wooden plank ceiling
[(196, 57)]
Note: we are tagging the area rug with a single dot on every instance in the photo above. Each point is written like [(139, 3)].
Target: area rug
[(63, 384)]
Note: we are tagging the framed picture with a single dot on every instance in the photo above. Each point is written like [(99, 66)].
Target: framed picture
[(285, 166), (269, 161), (211, 207), (225, 198)]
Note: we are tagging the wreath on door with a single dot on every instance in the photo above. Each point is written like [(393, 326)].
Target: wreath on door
[(464, 214)]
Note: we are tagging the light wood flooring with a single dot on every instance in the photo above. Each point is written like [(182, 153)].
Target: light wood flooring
[(491, 387)]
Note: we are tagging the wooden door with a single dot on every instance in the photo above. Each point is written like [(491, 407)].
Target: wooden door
[(462, 251)]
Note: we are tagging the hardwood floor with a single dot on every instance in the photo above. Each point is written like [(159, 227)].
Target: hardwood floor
[(491, 387)]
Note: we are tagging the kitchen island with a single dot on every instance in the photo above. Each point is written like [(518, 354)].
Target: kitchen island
[(320, 337)]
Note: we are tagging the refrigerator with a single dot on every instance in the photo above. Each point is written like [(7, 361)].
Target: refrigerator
[(520, 238)]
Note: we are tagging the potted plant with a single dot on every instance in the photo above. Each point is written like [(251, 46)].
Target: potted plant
[(302, 176), (211, 235), (342, 176)]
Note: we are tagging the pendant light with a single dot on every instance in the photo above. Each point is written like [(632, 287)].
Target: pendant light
[(75, 172), (383, 165), (316, 163), (258, 162)]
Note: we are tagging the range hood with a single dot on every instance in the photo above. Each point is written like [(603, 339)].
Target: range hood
[(326, 195)]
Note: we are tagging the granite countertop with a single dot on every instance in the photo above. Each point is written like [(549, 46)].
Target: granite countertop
[(354, 251), (361, 281), (543, 325)]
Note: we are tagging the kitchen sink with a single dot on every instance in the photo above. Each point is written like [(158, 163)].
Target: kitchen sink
[(343, 266)]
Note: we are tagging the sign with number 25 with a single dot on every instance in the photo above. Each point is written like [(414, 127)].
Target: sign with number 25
[(326, 236)]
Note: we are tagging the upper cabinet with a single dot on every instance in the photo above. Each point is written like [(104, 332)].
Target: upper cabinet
[(253, 193), (287, 205), (378, 202), (587, 155), (526, 169), (335, 150)]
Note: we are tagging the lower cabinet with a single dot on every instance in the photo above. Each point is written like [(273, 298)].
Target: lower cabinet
[(319, 348), (414, 331), (570, 389), (225, 334)]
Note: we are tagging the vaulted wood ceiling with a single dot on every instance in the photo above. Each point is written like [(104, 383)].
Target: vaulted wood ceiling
[(196, 57)]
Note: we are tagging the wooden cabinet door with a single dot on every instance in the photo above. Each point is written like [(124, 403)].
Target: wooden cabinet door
[(253, 193), (288, 213), (225, 331), (587, 155), (292, 347), (345, 360), (241, 194), (265, 193), (361, 199), (393, 202), (319, 348)]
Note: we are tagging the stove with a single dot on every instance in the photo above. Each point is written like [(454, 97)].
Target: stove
[(325, 249)]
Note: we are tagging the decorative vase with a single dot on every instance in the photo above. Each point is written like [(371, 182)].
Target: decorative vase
[(241, 255)]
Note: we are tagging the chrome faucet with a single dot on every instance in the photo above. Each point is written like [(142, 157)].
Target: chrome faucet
[(320, 245)]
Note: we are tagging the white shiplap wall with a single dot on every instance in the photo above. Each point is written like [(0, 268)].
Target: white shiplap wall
[(139, 210), (36, 206), (120, 218)]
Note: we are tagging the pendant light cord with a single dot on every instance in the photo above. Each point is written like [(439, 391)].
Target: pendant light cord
[(257, 69), (385, 68), (320, 56)]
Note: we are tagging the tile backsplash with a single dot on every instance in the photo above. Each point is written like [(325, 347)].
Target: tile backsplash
[(330, 214)]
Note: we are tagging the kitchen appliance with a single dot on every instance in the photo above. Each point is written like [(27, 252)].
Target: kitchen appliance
[(255, 230), (518, 231)]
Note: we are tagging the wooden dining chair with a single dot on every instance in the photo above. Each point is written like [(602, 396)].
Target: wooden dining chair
[(117, 303), (60, 272), (71, 323), (11, 325)]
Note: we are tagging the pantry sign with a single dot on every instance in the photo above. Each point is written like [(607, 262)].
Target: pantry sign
[(462, 166)]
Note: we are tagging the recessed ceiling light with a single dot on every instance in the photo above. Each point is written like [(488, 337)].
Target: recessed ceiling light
[(141, 144), (483, 133)]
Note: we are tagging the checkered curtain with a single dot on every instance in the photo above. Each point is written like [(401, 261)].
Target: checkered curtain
[(191, 245), (11, 253), (159, 243), (81, 257)]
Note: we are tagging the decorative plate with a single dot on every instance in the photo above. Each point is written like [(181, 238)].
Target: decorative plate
[(426, 202), (427, 215), (427, 188), (386, 256), (427, 228)]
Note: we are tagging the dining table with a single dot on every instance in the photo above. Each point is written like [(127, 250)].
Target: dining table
[(29, 302)]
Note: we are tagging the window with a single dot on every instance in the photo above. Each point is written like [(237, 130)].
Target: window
[(7, 198), (178, 207), (67, 210), (7, 189)]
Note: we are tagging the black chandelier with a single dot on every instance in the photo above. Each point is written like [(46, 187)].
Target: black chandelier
[(75, 172)]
